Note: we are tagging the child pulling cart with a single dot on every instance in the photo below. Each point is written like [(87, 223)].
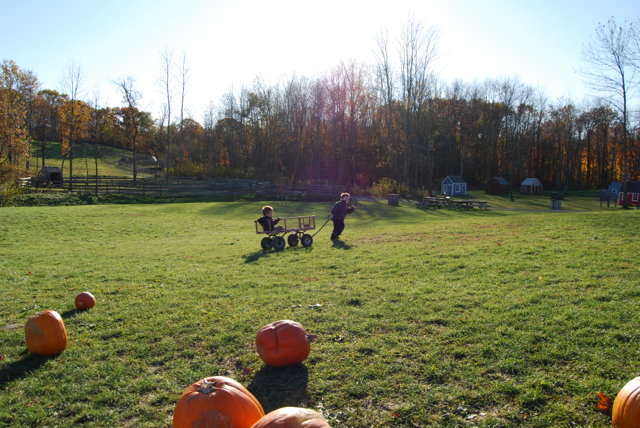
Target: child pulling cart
[(295, 227)]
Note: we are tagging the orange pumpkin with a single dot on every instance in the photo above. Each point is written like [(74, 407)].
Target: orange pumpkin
[(292, 417), (45, 334), (626, 407), (85, 300), (217, 401), (283, 343)]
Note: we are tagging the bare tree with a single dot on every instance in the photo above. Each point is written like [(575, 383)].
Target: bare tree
[(386, 81), (611, 71), (419, 49), (209, 120), (183, 77), (94, 127), (165, 83), (71, 83), (130, 114)]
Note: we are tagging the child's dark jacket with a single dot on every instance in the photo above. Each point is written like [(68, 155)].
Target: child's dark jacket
[(267, 223), (340, 210)]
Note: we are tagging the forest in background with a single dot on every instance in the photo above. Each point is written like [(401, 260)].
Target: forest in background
[(356, 124)]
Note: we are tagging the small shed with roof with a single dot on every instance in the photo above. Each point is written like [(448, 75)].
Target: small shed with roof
[(633, 194), (454, 185), (50, 176), (498, 186), (531, 186), (615, 187)]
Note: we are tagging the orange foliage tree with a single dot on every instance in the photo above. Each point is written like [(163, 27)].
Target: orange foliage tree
[(14, 137)]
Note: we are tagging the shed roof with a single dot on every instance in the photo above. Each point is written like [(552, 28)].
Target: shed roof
[(501, 180), (531, 182), (50, 169), (456, 179), (633, 187)]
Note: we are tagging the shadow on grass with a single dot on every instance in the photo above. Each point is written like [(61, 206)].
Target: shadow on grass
[(268, 253), (22, 368), (71, 313), (280, 387), (257, 256), (337, 243)]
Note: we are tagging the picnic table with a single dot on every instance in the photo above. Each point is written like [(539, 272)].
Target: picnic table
[(433, 202), (467, 204)]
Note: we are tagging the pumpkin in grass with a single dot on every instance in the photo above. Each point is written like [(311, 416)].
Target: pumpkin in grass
[(283, 343), (217, 401), (45, 334), (85, 300), (626, 407), (292, 417)]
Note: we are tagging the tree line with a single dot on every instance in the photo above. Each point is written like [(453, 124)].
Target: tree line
[(356, 124)]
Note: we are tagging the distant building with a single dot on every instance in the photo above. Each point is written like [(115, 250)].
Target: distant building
[(615, 187), (50, 176), (633, 194), (454, 185), (531, 186), (498, 186)]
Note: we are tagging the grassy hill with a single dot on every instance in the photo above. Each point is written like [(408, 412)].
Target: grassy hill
[(425, 318), (84, 159)]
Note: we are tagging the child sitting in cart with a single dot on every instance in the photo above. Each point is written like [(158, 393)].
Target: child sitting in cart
[(267, 222)]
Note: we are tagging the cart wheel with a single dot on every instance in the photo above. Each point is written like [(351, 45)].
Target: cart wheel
[(307, 240), (278, 243), (266, 243), (293, 240)]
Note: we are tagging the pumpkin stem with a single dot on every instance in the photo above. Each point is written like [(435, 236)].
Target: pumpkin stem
[(207, 387), (311, 337)]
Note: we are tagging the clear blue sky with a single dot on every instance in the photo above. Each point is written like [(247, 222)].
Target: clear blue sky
[(229, 43)]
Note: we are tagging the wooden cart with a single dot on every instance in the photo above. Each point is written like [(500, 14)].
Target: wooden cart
[(295, 227)]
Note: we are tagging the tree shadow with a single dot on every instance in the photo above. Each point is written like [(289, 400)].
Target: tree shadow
[(277, 387), (22, 368)]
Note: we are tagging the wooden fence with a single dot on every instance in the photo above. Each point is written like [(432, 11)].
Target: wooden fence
[(185, 187)]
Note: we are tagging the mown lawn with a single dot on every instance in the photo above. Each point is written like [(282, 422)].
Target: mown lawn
[(492, 318)]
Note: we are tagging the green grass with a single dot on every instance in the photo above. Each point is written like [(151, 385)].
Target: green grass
[(585, 200), (83, 160), (440, 318)]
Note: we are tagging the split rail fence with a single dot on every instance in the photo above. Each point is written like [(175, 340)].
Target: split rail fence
[(184, 187)]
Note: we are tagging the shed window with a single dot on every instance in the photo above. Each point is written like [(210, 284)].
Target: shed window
[(634, 198), (458, 188)]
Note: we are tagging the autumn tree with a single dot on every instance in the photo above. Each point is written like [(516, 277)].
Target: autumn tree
[(14, 136), (46, 118), (74, 120)]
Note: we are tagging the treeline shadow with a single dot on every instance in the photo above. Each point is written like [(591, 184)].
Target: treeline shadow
[(277, 387)]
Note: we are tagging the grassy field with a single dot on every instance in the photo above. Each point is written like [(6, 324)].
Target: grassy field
[(497, 318), (83, 160)]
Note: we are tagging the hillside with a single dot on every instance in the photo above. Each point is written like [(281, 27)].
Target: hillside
[(84, 160)]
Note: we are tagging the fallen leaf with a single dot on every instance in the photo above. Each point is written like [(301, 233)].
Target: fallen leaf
[(246, 372), (604, 403)]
